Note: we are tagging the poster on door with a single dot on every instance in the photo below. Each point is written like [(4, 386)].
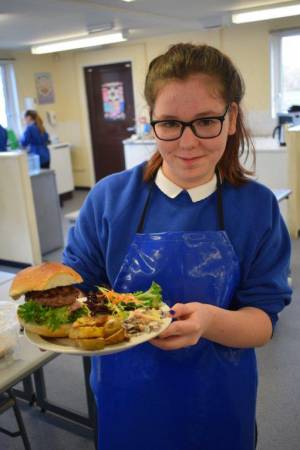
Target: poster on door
[(113, 100)]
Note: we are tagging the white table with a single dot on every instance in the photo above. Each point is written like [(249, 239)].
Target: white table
[(25, 360), (30, 359)]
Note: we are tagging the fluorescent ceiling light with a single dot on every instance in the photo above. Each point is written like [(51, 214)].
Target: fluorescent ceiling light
[(266, 14), (73, 44)]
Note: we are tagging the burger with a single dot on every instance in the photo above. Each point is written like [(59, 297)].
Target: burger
[(52, 302)]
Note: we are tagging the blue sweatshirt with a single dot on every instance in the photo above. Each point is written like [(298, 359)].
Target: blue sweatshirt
[(37, 142), (3, 139), (109, 217)]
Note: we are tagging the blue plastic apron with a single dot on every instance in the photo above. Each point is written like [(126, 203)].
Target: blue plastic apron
[(196, 398)]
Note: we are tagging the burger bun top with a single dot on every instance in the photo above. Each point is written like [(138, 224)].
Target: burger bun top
[(45, 276)]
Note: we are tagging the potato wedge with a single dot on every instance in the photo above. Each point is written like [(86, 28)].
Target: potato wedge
[(111, 327), (116, 338), (91, 344), (100, 319), (86, 332), (87, 321)]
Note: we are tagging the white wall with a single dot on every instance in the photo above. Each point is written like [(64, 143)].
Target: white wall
[(248, 46)]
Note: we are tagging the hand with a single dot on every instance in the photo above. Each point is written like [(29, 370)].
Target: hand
[(192, 321)]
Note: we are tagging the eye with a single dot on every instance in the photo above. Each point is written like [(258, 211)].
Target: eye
[(168, 124), (206, 122)]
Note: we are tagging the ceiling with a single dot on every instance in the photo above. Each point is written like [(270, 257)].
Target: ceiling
[(27, 22)]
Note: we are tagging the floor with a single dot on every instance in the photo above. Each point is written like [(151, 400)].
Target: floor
[(278, 407)]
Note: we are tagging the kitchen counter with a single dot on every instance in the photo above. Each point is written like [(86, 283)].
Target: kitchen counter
[(137, 151), (293, 143), (139, 141), (19, 238), (60, 162), (267, 144)]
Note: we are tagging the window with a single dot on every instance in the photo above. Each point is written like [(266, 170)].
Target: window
[(285, 70), (9, 109), (3, 118)]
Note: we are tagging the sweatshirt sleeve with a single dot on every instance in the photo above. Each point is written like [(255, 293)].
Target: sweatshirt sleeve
[(84, 251), (26, 138), (264, 284), (47, 139)]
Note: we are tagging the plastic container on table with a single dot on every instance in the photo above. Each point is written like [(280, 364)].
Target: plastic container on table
[(9, 329)]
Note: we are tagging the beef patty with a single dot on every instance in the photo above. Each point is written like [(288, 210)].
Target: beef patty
[(56, 297)]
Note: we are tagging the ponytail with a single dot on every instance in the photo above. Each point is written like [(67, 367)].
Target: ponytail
[(37, 120), (39, 124)]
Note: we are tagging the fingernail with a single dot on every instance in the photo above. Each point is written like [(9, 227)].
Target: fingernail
[(172, 312)]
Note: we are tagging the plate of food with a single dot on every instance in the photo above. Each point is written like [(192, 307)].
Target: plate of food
[(58, 317)]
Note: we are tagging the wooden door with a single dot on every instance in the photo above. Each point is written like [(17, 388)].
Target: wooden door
[(111, 112)]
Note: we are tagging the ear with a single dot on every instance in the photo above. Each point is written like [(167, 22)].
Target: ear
[(233, 113)]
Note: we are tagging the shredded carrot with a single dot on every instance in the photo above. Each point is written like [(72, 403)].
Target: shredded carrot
[(116, 297)]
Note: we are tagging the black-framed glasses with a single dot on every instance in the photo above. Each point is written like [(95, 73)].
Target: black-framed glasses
[(204, 127)]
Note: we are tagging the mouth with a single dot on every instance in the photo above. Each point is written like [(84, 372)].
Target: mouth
[(188, 159)]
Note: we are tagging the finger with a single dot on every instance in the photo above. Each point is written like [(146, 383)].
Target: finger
[(174, 342), (183, 309), (180, 327)]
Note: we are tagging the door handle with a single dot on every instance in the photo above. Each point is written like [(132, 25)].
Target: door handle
[(130, 129)]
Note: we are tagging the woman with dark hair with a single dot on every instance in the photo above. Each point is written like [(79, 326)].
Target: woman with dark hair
[(192, 220), (36, 138)]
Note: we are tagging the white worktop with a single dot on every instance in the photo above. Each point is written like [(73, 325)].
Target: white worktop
[(139, 141), (295, 128), (58, 145), (267, 144), (261, 143)]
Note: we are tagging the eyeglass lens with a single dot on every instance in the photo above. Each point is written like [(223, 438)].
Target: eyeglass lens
[(205, 128)]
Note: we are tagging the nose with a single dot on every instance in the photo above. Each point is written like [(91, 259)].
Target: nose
[(188, 138)]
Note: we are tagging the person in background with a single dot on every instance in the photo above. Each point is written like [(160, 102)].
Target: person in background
[(194, 221), (36, 138), (3, 139)]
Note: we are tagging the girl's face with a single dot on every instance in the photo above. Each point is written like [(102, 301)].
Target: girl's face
[(190, 161), (28, 120)]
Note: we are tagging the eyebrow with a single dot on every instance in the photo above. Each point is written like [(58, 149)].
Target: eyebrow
[(197, 116)]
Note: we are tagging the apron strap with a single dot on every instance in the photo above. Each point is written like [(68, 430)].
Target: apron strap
[(220, 210), (220, 201), (140, 227)]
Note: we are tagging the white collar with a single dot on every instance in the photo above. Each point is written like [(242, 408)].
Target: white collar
[(172, 190)]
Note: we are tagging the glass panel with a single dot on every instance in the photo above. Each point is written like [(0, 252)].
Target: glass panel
[(113, 100)]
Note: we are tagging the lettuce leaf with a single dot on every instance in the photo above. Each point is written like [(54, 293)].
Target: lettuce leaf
[(51, 317), (152, 298)]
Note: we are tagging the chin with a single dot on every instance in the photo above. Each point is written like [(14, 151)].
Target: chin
[(195, 177)]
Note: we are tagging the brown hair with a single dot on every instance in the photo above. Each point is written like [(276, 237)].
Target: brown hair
[(178, 63), (36, 118)]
